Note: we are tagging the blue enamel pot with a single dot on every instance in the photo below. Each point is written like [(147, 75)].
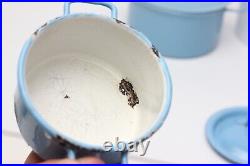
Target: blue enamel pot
[(179, 29), (85, 79)]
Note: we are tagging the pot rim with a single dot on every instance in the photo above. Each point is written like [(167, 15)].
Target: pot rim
[(22, 87)]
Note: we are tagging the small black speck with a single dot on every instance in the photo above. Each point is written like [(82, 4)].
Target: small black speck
[(155, 51), (120, 22), (36, 32), (66, 97), (44, 25)]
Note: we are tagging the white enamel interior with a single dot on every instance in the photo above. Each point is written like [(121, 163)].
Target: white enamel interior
[(85, 58)]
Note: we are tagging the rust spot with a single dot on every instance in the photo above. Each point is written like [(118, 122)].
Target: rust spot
[(119, 21), (126, 88), (156, 52)]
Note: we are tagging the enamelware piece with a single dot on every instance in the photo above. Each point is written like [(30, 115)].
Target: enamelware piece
[(227, 133), (179, 29), (84, 79)]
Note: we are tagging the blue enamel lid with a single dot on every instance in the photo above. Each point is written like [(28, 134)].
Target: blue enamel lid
[(227, 133), (186, 7)]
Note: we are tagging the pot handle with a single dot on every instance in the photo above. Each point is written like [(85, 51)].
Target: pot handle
[(106, 4)]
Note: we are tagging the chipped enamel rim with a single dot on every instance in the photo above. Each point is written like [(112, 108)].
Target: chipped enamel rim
[(54, 133)]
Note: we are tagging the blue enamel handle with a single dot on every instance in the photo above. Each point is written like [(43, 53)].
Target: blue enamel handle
[(106, 4)]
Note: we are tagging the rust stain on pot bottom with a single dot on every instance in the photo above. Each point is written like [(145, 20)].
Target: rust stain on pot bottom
[(126, 88)]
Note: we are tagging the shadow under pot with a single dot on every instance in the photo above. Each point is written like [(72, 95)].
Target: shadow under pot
[(87, 79)]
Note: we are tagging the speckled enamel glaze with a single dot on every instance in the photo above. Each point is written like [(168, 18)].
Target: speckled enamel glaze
[(71, 67)]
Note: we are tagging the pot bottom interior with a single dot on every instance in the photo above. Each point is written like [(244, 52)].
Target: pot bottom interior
[(82, 100)]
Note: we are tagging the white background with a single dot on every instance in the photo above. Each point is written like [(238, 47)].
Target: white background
[(202, 86)]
